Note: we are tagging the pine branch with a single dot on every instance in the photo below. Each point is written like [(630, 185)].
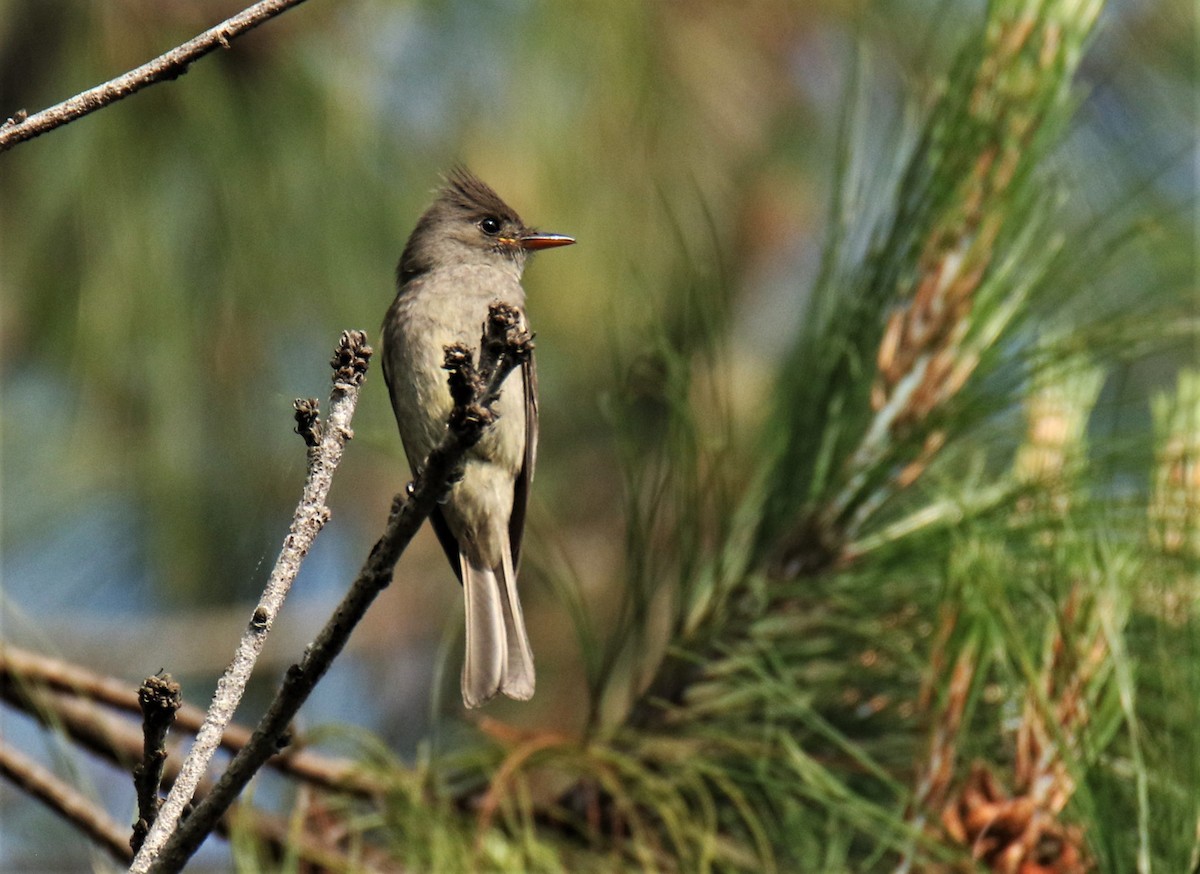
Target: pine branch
[(880, 388), (958, 259)]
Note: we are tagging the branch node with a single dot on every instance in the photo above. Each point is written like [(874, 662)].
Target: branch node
[(503, 338), (506, 346), (464, 379), (470, 421), (350, 359), (308, 420)]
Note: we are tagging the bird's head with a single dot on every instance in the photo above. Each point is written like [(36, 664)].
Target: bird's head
[(468, 224)]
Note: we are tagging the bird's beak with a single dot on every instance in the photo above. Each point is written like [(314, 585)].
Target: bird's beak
[(535, 240)]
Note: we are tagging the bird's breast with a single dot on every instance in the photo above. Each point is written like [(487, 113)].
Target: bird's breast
[(436, 310)]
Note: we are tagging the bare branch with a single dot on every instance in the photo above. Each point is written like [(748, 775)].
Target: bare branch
[(22, 126), (66, 801), (505, 345), (350, 364)]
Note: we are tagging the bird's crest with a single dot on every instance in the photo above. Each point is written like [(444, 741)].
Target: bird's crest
[(471, 194)]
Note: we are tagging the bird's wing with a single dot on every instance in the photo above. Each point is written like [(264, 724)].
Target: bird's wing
[(516, 522), (448, 541)]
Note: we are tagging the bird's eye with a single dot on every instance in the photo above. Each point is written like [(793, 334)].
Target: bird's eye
[(490, 225)]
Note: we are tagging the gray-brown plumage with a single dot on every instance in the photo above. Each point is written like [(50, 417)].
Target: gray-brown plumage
[(467, 251)]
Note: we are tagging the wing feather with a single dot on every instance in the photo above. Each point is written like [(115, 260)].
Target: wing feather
[(516, 522)]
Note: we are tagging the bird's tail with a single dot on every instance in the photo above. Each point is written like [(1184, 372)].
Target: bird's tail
[(499, 658)]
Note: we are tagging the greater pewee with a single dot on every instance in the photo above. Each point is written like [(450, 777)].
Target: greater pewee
[(467, 251)]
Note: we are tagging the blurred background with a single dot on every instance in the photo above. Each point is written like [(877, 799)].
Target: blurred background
[(175, 270)]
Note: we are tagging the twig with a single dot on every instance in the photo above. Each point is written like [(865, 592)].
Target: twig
[(504, 347), (66, 801), (350, 365), (159, 698), (118, 741), (22, 126), (25, 668)]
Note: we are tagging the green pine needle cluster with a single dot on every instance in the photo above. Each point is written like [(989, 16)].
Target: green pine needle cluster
[(919, 622)]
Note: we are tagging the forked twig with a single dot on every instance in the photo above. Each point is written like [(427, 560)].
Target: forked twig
[(350, 365), (474, 389)]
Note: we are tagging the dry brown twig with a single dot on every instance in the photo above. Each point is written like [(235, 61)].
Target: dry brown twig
[(66, 801), (27, 677), (171, 65), (23, 669)]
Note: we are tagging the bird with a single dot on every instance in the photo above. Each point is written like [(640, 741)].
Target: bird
[(467, 251)]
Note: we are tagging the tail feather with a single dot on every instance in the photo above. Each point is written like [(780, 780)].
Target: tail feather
[(483, 668), (519, 678), (499, 658)]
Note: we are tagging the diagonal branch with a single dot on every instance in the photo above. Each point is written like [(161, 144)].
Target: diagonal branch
[(168, 66), (474, 389), (350, 365)]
